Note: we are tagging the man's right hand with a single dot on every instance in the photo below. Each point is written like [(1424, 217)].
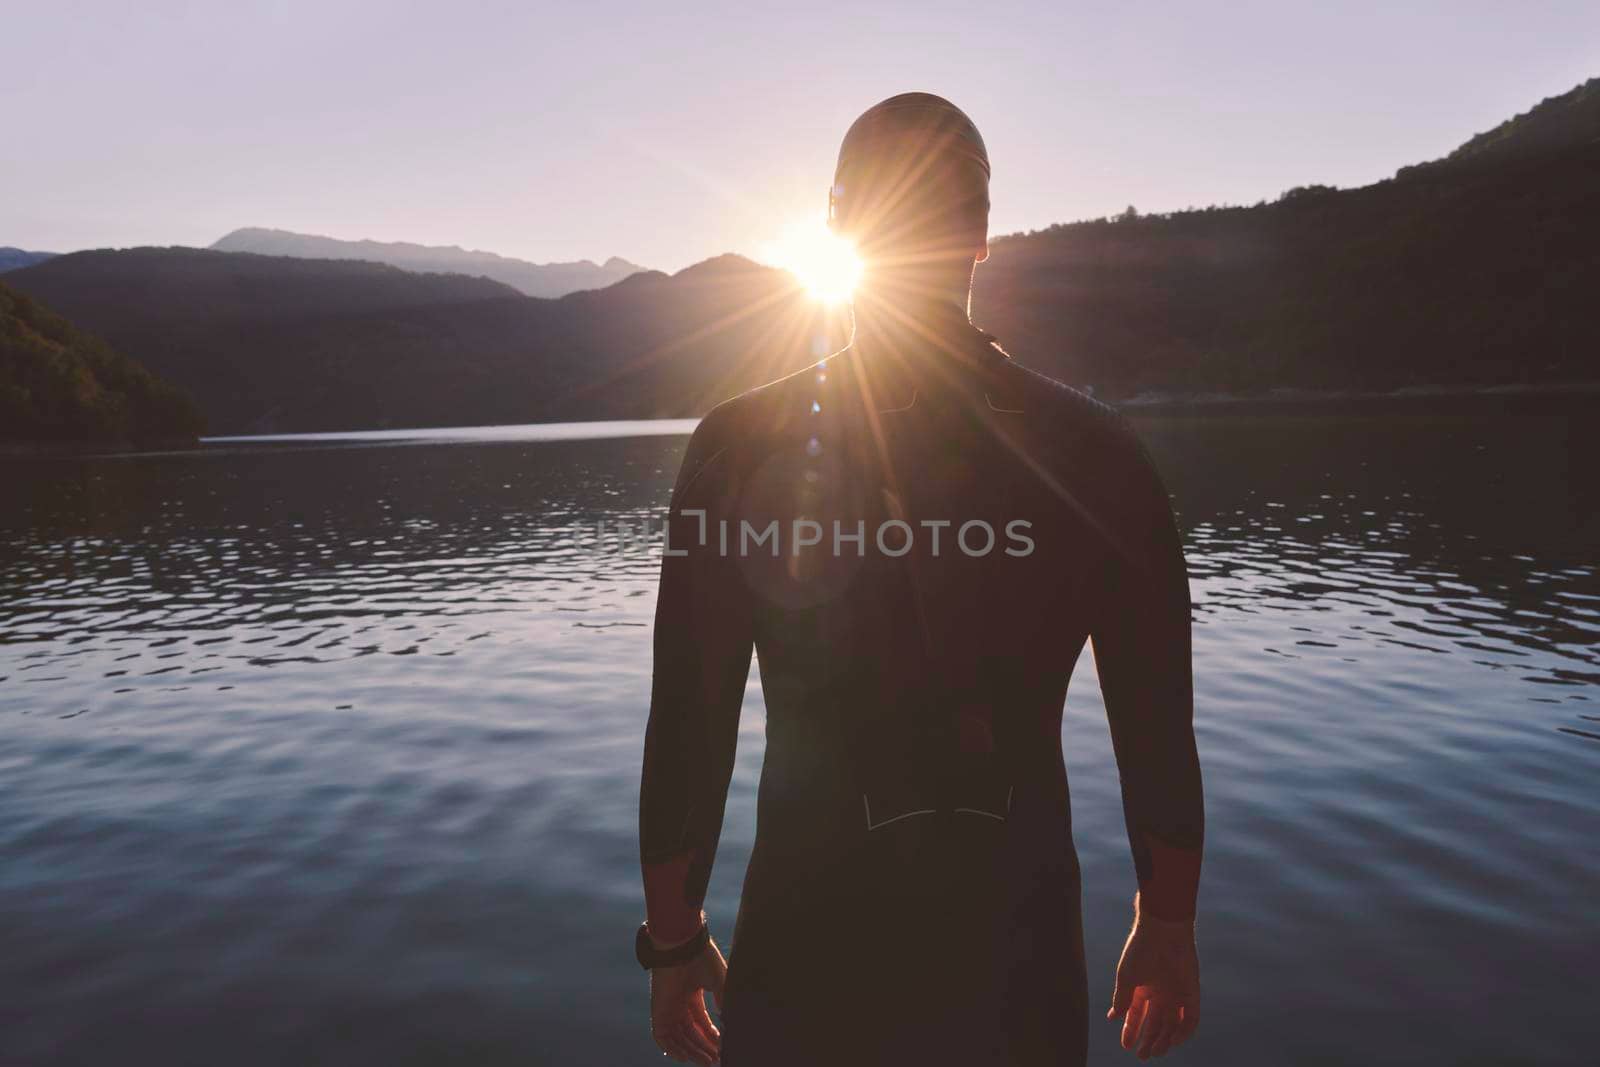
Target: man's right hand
[(679, 1022), (1157, 994)]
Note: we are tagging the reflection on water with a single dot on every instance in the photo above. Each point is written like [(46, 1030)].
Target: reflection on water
[(321, 750)]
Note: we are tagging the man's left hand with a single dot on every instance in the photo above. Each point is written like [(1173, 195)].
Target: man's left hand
[(1157, 995)]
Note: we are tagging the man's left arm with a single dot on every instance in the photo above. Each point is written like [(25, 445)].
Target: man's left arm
[(1142, 655)]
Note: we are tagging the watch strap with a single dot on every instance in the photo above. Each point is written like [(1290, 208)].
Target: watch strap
[(650, 957)]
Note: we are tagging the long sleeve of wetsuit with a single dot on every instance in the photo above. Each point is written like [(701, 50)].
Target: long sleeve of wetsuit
[(703, 646), (1142, 653)]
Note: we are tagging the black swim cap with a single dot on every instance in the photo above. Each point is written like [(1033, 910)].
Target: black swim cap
[(943, 126)]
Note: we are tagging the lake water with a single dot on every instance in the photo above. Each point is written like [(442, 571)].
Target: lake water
[(327, 751)]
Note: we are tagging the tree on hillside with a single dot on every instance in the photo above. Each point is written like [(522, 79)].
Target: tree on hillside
[(58, 384)]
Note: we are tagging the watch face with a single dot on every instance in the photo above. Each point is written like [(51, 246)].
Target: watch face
[(642, 948)]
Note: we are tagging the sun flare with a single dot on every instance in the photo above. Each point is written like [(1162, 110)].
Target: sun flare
[(825, 264)]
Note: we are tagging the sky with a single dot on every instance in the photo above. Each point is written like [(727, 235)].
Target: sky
[(669, 133)]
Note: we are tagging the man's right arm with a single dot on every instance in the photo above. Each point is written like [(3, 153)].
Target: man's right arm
[(703, 646)]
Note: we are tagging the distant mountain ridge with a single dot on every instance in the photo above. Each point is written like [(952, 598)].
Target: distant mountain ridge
[(533, 279), (17, 258), (205, 286)]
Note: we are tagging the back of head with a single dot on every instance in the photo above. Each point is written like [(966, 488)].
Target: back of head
[(935, 122), (911, 186)]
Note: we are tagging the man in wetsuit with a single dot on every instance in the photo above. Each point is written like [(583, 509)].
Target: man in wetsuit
[(916, 536)]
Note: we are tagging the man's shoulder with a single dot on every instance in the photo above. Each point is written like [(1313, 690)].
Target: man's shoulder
[(1092, 449), (1054, 410), (761, 413), (743, 426)]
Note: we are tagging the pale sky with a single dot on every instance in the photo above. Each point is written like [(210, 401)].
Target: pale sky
[(667, 133)]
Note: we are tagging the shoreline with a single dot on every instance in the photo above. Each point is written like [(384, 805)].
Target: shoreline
[(1411, 400), (1556, 399), (23, 449)]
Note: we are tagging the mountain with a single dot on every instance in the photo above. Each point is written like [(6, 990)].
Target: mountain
[(271, 343), (534, 279), (60, 384), (13, 258), (200, 286), (1476, 270)]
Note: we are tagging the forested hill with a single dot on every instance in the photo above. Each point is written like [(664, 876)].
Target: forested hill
[(281, 344), (1479, 269), (58, 384), (1553, 126), (1476, 270)]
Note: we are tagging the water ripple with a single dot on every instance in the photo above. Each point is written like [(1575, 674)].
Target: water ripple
[(354, 730)]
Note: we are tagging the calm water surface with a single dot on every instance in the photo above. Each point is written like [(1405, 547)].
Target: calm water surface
[(327, 750)]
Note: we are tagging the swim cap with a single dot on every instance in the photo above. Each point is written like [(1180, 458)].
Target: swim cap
[(943, 126)]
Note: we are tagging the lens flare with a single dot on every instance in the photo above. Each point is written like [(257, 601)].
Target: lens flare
[(825, 264)]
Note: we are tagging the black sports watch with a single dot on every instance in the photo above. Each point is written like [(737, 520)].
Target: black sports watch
[(650, 957)]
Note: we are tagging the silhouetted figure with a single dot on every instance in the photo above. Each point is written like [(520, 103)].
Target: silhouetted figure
[(917, 536)]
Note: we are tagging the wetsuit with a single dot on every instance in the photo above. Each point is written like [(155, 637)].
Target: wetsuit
[(913, 895)]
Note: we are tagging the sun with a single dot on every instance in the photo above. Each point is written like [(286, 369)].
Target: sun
[(824, 263)]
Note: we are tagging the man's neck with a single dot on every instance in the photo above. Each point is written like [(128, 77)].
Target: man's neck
[(900, 322), (911, 346)]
